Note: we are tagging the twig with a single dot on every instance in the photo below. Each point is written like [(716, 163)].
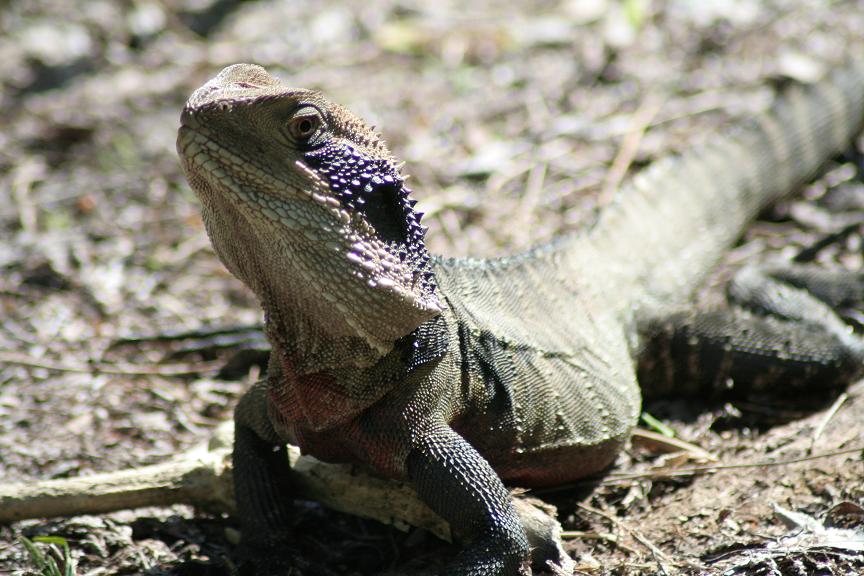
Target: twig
[(197, 334), (827, 418), (594, 535), (122, 370), (528, 204), (659, 556), (640, 122), (672, 444), (614, 478), (23, 179), (809, 253)]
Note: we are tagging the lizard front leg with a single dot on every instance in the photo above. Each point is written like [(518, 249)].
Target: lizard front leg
[(461, 486), (261, 486)]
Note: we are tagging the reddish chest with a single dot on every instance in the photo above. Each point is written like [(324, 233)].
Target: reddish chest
[(314, 412)]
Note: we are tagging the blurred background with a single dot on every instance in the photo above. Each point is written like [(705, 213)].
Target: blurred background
[(516, 120)]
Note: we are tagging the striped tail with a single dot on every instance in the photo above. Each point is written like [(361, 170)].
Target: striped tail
[(672, 223)]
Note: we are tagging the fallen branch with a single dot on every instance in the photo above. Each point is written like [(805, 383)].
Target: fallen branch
[(617, 478), (116, 369), (202, 477)]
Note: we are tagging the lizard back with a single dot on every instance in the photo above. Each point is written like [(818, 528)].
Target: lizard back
[(547, 338)]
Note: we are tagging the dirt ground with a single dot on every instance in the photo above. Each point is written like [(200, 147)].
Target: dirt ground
[(509, 118)]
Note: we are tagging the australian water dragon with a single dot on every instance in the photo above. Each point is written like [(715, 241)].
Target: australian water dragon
[(463, 375)]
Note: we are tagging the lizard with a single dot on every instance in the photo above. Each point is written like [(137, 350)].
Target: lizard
[(462, 376)]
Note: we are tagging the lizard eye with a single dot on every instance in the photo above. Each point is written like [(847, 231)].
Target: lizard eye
[(305, 127)]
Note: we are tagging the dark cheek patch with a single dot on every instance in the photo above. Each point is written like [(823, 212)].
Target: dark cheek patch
[(374, 188)]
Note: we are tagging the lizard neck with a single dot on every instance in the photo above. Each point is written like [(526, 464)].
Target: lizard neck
[(303, 323), (311, 338)]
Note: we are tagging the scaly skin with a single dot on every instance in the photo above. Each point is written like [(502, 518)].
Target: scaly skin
[(460, 375)]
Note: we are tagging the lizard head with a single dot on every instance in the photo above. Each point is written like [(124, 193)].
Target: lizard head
[(305, 204)]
